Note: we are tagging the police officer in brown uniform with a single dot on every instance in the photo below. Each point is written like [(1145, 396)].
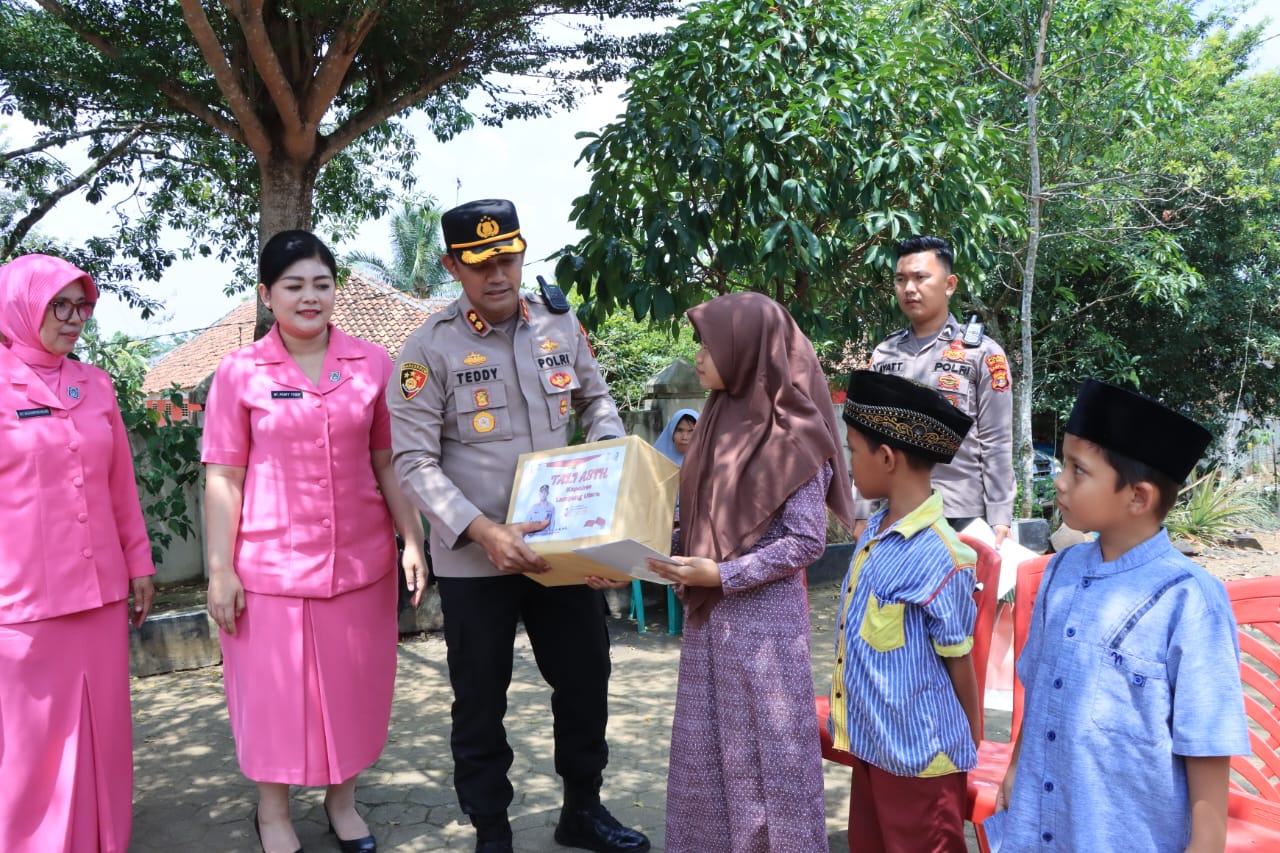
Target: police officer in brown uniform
[(494, 375), (969, 369)]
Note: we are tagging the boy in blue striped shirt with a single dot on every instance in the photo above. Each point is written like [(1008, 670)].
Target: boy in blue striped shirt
[(904, 696)]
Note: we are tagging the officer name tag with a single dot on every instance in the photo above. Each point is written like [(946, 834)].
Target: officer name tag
[(43, 412), (286, 395)]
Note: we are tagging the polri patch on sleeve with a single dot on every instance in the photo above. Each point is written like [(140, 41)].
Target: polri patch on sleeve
[(999, 368), (413, 377)]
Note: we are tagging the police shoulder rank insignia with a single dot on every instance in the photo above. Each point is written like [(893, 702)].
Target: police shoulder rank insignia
[(524, 309), (999, 368), (483, 422), (548, 345), (560, 379), (477, 322), (474, 358), (482, 398), (954, 351), (412, 377)]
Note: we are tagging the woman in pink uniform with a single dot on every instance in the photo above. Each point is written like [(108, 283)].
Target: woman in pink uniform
[(73, 548), (300, 501)]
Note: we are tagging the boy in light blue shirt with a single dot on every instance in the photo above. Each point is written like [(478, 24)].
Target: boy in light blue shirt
[(1131, 666)]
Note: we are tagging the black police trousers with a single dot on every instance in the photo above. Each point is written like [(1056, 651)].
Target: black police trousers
[(570, 638)]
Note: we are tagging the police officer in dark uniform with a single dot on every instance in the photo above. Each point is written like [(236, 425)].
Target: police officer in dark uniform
[(494, 375)]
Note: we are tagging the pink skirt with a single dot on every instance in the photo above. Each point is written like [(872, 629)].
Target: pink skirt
[(66, 739), (309, 683)]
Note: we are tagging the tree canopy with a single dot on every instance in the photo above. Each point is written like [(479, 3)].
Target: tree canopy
[(784, 147), (270, 111)]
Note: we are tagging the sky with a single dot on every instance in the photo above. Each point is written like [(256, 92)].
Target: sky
[(530, 162)]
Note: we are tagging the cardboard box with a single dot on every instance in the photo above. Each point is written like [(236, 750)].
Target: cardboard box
[(591, 495)]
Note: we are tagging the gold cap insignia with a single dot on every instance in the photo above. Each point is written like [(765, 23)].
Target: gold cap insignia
[(487, 228)]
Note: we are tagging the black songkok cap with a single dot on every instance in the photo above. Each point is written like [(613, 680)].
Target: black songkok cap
[(1138, 427), (905, 415), (478, 230)]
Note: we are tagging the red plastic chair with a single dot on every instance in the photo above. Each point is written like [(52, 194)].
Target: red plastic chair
[(985, 595), (1253, 803), (993, 756)]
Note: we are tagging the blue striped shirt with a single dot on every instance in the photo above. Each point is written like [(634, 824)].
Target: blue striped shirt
[(906, 603)]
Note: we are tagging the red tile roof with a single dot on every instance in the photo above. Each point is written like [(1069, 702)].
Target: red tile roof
[(365, 308)]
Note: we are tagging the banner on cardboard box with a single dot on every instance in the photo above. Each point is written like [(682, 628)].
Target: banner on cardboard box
[(576, 494)]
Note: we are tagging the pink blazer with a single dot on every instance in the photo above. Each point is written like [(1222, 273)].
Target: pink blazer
[(71, 528), (313, 523)]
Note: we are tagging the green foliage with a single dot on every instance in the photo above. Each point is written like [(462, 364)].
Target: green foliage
[(1212, 508), (241, 119), (783, 147), (416, 247), (166, 454), (631, 352)]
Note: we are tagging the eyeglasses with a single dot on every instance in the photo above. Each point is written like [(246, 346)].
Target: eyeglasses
[(64, 308)]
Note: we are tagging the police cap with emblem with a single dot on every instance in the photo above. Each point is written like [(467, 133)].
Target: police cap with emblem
[(1138, 427), (905, 415), (478, 230)]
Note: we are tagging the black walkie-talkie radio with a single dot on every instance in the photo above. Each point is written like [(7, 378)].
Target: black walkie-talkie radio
[(554, 296)]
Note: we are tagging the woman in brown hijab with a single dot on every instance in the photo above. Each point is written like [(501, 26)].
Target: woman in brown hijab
[(746, 771)]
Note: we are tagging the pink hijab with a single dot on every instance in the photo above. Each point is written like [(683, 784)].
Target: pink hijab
[(27, 286), (767, 434)]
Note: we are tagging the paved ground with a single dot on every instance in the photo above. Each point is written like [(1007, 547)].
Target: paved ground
[(190, 795)]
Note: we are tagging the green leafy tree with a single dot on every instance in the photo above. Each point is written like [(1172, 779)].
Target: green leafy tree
[(1219, 352), (632, 352), (783, 147), (416, 247), (1087, 88), (272, 111)]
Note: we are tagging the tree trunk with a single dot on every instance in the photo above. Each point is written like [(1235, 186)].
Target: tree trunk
[(287, 188), (1022, 428)]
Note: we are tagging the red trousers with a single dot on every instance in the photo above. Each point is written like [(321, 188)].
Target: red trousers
[(901, 814)]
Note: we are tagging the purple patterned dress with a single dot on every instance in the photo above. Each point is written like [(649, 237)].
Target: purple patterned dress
[(746, 767)]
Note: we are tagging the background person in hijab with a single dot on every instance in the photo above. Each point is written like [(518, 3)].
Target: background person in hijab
[(73, 548), (300, 500), (675, 438), (746, 769)]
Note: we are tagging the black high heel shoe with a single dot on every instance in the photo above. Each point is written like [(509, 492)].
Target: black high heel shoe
[(257, 830), (367, 844)]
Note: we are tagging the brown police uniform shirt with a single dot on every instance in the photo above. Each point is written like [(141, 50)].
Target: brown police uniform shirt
[(466, 400), (979, 482)]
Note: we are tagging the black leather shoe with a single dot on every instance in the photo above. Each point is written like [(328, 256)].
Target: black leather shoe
[(593, 828), (492, 846), (368, 844)]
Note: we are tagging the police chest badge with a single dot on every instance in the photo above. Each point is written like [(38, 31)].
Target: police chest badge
[(999, 369), (74, 392), (949, 382), (954, 351), (561, 380), (564, 405), (474, 358), (482, 398), (412, 377), (483, 422)]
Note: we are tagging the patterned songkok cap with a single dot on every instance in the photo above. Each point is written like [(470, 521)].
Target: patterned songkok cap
[(905, 415)]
